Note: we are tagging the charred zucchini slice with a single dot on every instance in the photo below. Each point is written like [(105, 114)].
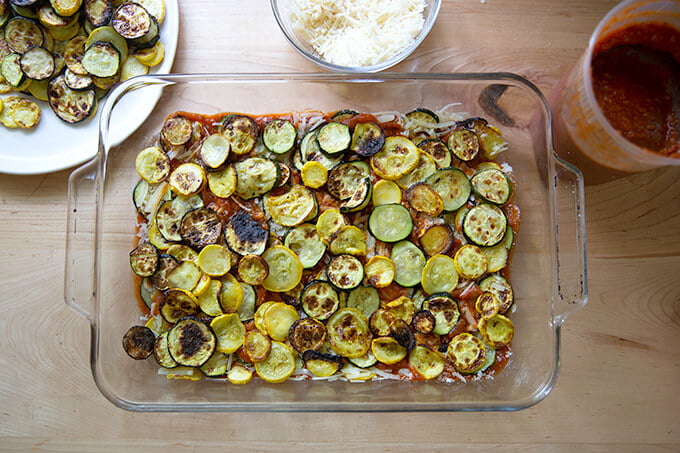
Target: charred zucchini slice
[(423, 321), (191, 342), (200, 227), (311, 152), (241, 131), (365, 361), (452, 186), (492, 185), (77, 82), (367, 139), (439, 275), (37, 63), (464, 144), (386, 192), (216, 366), (278, 319), (253, 269), (257, 345), (379, 271), (307, 334), (322, 364), (500, 288), (72, 106), (360, 198), (244, 235), (177, 130), (138, 342), (187, 179), (425, 199), (279, 136), (485, 225), (491, 140), (396, 158), (466, 353), (319, 300), (293, 207), (334, 138), (229, 331), (409, 262), (279, 364), (344, 114), (350, 240), (285, 269), (390, 222), (423, 117), (305, 241), (132, 21), (387, 350), (21, 34), (214, 151), (445, 311), (345, 272), (159, 279), (171, 212), (144, 260), (470, 262), (223, 182), (427, 363), (255, 176), (178, 304), (437, 239), (101, 59), (161, 352), (400, 331), (344, 179), (98, 12), (215, 260), (348, 333), (11, 70), (437, 150)]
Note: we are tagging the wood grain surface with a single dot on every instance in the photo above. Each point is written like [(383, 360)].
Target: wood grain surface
[(620, 355)]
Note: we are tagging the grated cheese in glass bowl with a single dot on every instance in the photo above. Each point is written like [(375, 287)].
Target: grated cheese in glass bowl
[(355, 35)]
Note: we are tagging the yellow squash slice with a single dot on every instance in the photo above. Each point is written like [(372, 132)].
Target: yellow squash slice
[(278, 319), (230, 332), (279, 364), (427, 363), (439, 275), (285, 269)]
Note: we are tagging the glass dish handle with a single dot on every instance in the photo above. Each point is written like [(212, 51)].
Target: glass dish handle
[(79, 278), (572, 275)]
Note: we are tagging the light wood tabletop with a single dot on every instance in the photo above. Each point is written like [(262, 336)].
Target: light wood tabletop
[(620, 360)]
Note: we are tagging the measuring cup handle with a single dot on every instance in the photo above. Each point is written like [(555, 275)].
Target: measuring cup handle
[(572, 276), (79, 278)]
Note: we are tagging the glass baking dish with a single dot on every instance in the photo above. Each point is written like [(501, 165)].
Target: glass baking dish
[(548, 269)]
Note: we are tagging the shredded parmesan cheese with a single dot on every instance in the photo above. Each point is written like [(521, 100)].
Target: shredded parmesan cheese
[(358, 32)]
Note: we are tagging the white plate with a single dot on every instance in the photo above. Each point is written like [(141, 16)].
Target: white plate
[(55, 145)]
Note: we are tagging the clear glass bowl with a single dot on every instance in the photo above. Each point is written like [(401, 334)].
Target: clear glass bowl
[(282, 8), (549, 267)]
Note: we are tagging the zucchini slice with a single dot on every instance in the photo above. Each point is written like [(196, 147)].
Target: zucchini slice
[(72, 106), (178, 304), (491, 140), (423, 321), (279, 318), (169, 215), (22, 33), (50, 19), (241, 131), (307, 334), (445, 310), (409, 262), (466, 353), (98, 12), (423, 170), (365, 299), (223, 182), (365, 361), (305, 241), (400, 331), (360, 198), (439, 275), (345, 272), (215, 260), (452, 185), (110, 35), (500, 288), (330, 221), (311, 152), (177, 130), (191, 342), (255, 176), (379, 271), (386, 192), (252, 269), (244, 235), (425, 199), (138, 342), (342, 115), (101, 59), (11, 70), (183, 252), (147, 197), (367, 139), (350, 240), (390, 222), (387, 350), (319, 300), (464, 144), (346, 178), (293, 207), (423, 117), (144, 260), (485, 225), (348, 333), (285, 269), (77, 82), (396, 158), (333, 138), (159, 280), (492, 185), (200, 227), (257, 345), (279, 364), (37, 63), (380, 321), (246, 311), (148, 293), (161, 352), (497, 256), (427, 363), (187, 179), (322, 364), (470, 262), (216, 366), (437, 239), (214, 151), (437, 150), (229, 331), (132, 21), (279, 136)]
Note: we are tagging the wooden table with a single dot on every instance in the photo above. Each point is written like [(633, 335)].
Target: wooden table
[(620, 377)]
